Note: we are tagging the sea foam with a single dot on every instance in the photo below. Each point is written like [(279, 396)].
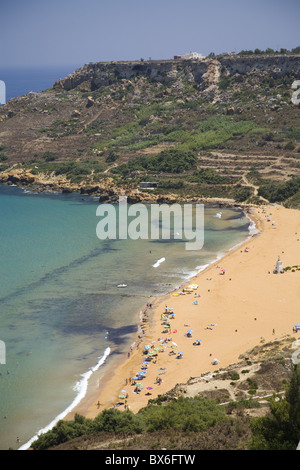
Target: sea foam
[(81, 389), (158, 262)]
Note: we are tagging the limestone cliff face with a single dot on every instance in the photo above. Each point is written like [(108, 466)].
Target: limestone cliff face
[(94, 75), (279, 65)]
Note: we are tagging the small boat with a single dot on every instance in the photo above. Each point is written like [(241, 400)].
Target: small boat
[(122, 285)]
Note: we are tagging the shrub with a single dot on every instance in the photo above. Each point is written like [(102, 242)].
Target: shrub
[(279, 192), (49, 156), (3, 157), (167, 161)]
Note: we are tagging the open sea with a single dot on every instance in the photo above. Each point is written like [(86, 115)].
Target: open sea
[(62, 316)]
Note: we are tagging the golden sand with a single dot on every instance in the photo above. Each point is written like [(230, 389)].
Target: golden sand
[(233, 313)]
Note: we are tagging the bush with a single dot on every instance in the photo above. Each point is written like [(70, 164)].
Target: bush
[(3, 157), (187, 414), (289, 146), (49, 156), (167, 161), (183, 414), (280, 192), (280, 430), (208, 176), (243, 194)]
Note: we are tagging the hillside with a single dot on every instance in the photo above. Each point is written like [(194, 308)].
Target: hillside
[(220, 127)]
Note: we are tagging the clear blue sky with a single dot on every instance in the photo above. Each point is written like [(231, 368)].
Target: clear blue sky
[(57, 32)]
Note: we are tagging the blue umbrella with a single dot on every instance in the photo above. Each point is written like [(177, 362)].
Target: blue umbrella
[(135, 378)]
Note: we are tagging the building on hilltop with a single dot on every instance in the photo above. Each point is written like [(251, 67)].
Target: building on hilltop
[(189, 56)]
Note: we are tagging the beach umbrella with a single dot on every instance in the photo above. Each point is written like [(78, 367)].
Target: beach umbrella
[(198, 339), (180, 352), (190, 331), (123, 391), (135, 378), (149, 388)]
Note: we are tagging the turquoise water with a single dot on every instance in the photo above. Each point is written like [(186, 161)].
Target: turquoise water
[(61, 314)]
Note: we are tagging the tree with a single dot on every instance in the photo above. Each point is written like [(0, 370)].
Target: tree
[(280, 430)]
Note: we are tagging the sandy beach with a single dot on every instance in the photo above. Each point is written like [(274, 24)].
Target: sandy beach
[(230, 313)]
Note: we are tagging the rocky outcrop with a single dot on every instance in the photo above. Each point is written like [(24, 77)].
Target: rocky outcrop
[(274, 64), (17, 177), (94, 75)]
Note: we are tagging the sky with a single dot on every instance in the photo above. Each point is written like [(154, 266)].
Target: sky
[(63, 32)]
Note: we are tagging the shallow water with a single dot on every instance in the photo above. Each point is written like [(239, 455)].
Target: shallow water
[(60, 308)]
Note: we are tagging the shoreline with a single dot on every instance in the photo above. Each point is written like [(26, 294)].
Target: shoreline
[(106, 387), (228, 318)]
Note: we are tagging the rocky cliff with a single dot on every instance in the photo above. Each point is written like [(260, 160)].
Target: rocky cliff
[(95, 75), (216, 127)]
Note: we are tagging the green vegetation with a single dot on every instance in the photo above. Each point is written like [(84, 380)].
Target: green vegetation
[(279, 192), (49, 156), (188, 414), (208, 176), (167, 161), (3, 157), (194, 139), (270, 51), (280, 430), (211, 133), (74, 171)]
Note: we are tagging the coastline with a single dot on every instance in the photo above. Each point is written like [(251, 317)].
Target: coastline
[(227, 324)]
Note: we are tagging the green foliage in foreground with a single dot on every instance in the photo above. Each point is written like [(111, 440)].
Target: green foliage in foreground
[(278, 431), (281, 430), (188, 414)]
